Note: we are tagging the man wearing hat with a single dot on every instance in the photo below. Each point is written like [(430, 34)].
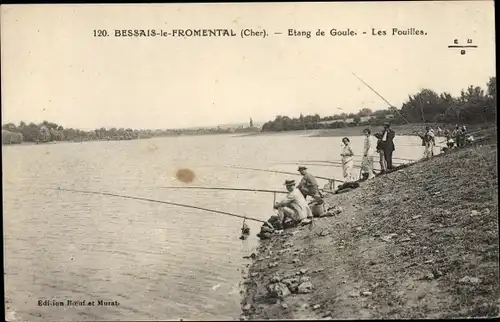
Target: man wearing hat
[(428, 141), (388, 144), (308, 185), (294, 207)]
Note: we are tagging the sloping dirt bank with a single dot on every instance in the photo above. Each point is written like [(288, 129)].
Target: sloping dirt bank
[(421, 242)]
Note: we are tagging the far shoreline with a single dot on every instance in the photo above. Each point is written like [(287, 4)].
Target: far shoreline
[(401, 130)]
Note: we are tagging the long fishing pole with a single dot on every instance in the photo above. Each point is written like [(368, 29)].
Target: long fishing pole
[(326, 162), (331, 164), (282, 172), (308, 162), (359, 156), (225, 188), (162, 202), (390, 105)]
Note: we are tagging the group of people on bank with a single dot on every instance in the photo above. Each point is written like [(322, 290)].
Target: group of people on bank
[(458, 137), (384, 147), (295, 208)]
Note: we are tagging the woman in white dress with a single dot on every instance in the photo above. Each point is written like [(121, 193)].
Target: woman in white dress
[(347, 160), (367, 161)]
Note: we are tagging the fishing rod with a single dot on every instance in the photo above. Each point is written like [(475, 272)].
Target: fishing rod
[(390, 105), (400, 159), (307, 162), (160, 201), (333, 164), (225, 188), (282, 172), (360, 156), (329, 164)]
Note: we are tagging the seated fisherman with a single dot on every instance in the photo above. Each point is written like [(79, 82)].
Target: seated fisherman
[(308, 185), (294, 207)]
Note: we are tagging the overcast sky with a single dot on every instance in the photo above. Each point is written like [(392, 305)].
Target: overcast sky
[(54, 69)]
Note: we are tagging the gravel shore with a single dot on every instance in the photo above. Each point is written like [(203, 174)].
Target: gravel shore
[(421, 242)]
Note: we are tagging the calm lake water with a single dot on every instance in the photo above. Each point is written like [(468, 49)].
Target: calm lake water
[(159, 262)]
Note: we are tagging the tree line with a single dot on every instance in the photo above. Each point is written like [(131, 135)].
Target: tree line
[(474, 105), (49, 132)]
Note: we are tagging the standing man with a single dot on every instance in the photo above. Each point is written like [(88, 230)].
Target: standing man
[(457, 134), (463, 132), (388, 144), (428, 141), (294, 207), (308, 185)]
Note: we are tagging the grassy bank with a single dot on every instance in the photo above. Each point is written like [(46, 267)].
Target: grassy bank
[(421, 242)]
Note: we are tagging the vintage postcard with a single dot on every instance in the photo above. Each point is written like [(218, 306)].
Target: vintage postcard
[(249, 161)]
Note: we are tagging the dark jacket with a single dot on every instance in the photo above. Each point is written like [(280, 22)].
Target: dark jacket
[(388, 145), (308, 181), (426, 138)]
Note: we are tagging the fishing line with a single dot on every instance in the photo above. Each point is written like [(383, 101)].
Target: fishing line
[(223, 188), (282, 172), (332, 164), (390, 105), (356, 155), (160, 201)]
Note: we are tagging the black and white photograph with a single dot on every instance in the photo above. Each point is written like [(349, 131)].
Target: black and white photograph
[(249, 161)]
